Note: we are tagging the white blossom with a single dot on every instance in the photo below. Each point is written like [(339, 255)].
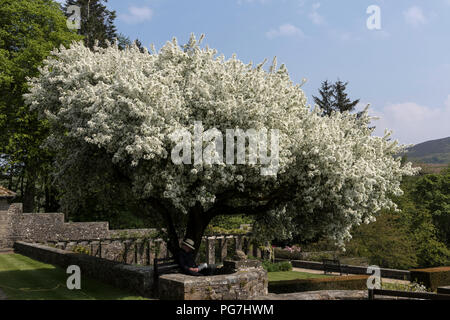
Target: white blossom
[(125, 104)]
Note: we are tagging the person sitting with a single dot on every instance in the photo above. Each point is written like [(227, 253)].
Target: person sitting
[(187, 262)]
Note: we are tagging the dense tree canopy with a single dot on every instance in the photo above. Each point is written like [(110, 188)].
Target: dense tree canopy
[(29, 30), (97, 22), (113, 113)]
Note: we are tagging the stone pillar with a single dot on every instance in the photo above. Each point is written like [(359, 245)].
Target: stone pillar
[(223, 245), (210, 250), (148, 244), (246, 246), (152, 248), (256, 251), (267, 250), (238, 242), (162, 248), (128, 256), (95, 248), (136, 251)]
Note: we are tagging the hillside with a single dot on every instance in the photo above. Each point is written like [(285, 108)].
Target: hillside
[(431, 152)]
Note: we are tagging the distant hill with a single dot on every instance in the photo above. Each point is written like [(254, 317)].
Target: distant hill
[(432, 152)]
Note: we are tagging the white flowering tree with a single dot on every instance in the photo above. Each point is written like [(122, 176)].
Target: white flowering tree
[(112, 113)]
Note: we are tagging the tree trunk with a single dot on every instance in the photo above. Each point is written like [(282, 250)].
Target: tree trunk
[(30, 193), (198, 220)]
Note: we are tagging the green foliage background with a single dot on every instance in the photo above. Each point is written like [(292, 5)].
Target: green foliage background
[(418, 235)]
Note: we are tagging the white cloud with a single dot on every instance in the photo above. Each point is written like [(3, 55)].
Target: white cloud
[(314, 15), (413, 123), (415, 16), (285, 30), (137, 15)]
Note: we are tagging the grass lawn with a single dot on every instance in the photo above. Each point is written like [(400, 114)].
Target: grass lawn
[(291, 275), (22, 278)]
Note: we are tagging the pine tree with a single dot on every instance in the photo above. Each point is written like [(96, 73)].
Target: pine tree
[(341, 101), (139, 45), (334, 98), (124, 41), (97, 22), (326, 93)]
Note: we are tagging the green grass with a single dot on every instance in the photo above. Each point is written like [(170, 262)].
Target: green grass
[(291, 275), (22, 278)]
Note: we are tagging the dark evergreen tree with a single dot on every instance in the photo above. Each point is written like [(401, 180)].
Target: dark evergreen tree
[(325, 102), (341, 101), (97, 22), (334, 98), (124, 41), (139, 45)]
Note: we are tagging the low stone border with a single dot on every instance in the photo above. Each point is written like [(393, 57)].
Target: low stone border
[(248, 281), (318, 295), (136, 279)]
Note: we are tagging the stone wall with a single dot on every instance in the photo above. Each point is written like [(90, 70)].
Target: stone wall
[(248, 281), (131, 246), (47, 227), (139, 251), (136, 279), (245, 283)]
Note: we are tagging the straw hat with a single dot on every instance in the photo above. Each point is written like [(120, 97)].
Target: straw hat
[(189, 243)]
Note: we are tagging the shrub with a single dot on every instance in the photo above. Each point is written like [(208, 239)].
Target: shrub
[(385, 243), (81, 249), (411, 287), (276, 267)]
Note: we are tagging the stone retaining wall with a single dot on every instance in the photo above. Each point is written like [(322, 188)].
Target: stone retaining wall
[(51, 227), (246, 283), (136, 279), (140, 251)]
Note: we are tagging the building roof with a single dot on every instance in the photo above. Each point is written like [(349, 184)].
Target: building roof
[(5, 193)]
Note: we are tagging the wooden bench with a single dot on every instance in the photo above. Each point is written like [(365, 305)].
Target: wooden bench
[(331, 265), (407, 294), (163, 266)]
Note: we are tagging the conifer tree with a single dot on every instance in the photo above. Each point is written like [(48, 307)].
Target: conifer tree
[(334, 98), (97, 22), (326, 101), (341, 101)]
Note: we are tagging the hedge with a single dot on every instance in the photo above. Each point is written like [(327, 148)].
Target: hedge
[(431, 278), (355, 282), (278, 266)]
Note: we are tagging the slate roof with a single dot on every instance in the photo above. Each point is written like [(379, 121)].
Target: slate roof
[(5, 193)]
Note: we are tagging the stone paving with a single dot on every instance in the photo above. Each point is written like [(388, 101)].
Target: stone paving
[(318, 295)]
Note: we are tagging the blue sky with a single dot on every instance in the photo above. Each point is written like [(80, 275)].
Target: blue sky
[(402, 70)]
